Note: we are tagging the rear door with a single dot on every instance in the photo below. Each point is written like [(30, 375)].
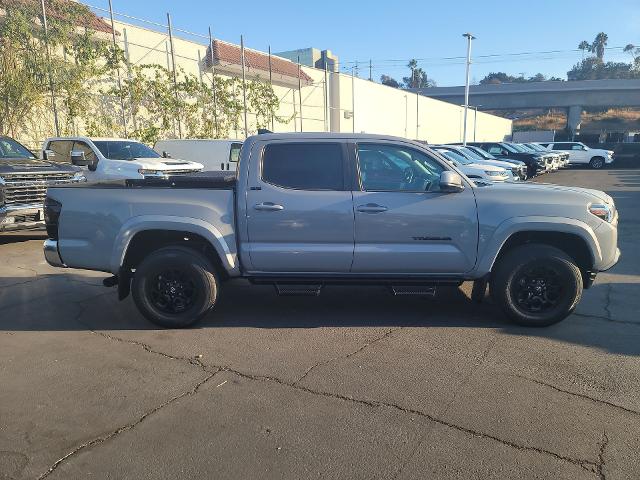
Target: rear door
[(299, 209), (404, 224)]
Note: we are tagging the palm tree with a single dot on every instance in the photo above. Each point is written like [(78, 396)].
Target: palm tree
[(584, 45), (599, 44)]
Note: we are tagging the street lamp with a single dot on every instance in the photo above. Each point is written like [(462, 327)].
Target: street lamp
[(469, 37), (475, 119)]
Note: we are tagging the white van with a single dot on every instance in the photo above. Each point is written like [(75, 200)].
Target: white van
[(215, 155), (114, 158)]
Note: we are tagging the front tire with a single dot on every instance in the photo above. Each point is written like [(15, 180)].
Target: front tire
[(536, 285), (596, 163), (174, 287)]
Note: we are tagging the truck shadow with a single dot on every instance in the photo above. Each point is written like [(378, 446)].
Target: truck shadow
[(71, 305), (26, 236)]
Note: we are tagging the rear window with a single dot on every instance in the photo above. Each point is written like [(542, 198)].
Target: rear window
[(304, 166), (234, 153)]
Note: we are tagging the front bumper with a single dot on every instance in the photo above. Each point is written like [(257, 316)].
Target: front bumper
[(51, 253), (21, 217)]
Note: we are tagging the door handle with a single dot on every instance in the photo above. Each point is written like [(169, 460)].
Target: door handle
[(372, 208), (268, 207)]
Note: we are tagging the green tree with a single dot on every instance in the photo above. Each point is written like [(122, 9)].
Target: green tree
[(389, 81), (599, 44), (418, 77), (584, 46)]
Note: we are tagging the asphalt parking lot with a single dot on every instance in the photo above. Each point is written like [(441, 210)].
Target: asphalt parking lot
[(352, 384)]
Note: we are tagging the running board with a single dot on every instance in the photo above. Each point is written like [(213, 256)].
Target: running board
[(422, 290), (292, 290)]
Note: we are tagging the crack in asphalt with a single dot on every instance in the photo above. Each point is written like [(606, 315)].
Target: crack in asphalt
[(580, 395), (349, 355), (585, 464), (607, 319), (607, 300), (603, 444), (124, 428)]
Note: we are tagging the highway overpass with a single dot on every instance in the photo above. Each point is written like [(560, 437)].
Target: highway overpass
[(574, 96)]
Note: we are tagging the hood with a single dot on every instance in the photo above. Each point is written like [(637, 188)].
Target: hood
[(541, 188), (484, 166), (501, 164), (161, 163), (26, 165)]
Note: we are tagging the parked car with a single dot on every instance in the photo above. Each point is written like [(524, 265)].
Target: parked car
[(564, 156), (114, 158), (487, 156), (23, 185), (580, 154), (312, 209), (214, 154), (515, 172), (473, 170), (553, 159), (536, 162)]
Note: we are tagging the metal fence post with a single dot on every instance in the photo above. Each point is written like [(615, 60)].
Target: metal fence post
[(353, 100), (115, 48), (213, 87), (50, 75), (326, 98), (244, 87), (271, 84), (175, 74), (300, 92)]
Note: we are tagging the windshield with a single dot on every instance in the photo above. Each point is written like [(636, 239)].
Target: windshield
[(482, 153), (470, 154), (10, 149), (512, 147), (124, 150), (455, 156), (526, 147), (536, 147)]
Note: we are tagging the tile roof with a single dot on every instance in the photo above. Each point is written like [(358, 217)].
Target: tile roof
[(54, 10), (228, 53)]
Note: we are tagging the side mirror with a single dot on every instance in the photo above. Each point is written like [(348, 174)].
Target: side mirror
[(48, 154), (166, 154), (80, 159), (450, 182)]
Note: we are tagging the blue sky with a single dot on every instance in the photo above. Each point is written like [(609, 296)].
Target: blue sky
[(390, 33)]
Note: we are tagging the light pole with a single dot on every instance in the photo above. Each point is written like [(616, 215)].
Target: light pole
[(469, 37), (475, 120)]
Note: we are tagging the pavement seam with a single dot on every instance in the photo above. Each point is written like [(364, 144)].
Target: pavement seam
[(585, 464), (103, 438), (349, 355), (580, 395), (607, 319), (603, 444), (607, 299)]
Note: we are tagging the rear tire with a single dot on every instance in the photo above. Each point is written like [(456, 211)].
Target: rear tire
[(596, 163), (536, 285), (174, 287)]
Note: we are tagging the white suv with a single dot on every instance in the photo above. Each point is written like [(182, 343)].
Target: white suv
[(580, 154), (114, 158)]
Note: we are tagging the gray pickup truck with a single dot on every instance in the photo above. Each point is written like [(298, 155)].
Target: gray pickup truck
[(308, 210)]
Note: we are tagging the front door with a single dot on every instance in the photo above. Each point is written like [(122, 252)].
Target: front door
[(299, 210), (404, 224)]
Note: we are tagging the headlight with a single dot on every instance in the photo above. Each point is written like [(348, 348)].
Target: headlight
[(495, 173), (151, 173), (601, 211), (79, 177)]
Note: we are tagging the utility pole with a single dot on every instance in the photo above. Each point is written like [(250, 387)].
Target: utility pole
[(244, 87), (469, 38), (370, 71)]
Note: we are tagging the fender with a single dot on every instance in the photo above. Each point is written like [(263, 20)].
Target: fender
[(134, 225), (514, 225)]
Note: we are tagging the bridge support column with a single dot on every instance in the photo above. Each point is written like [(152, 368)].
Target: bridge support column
[(574, 117)]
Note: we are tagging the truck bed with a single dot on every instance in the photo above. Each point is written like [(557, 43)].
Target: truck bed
[(96, 227)]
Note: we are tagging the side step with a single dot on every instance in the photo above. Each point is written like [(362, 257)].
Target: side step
[(424, 290), (294, 290)]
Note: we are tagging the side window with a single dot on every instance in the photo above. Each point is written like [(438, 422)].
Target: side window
[(304, 166), (386, 167), (234, 153), (61, 149), (561, 146), (576, 146), (83, 147)]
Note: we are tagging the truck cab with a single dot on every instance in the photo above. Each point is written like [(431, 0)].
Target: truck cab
[(114, 158)]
